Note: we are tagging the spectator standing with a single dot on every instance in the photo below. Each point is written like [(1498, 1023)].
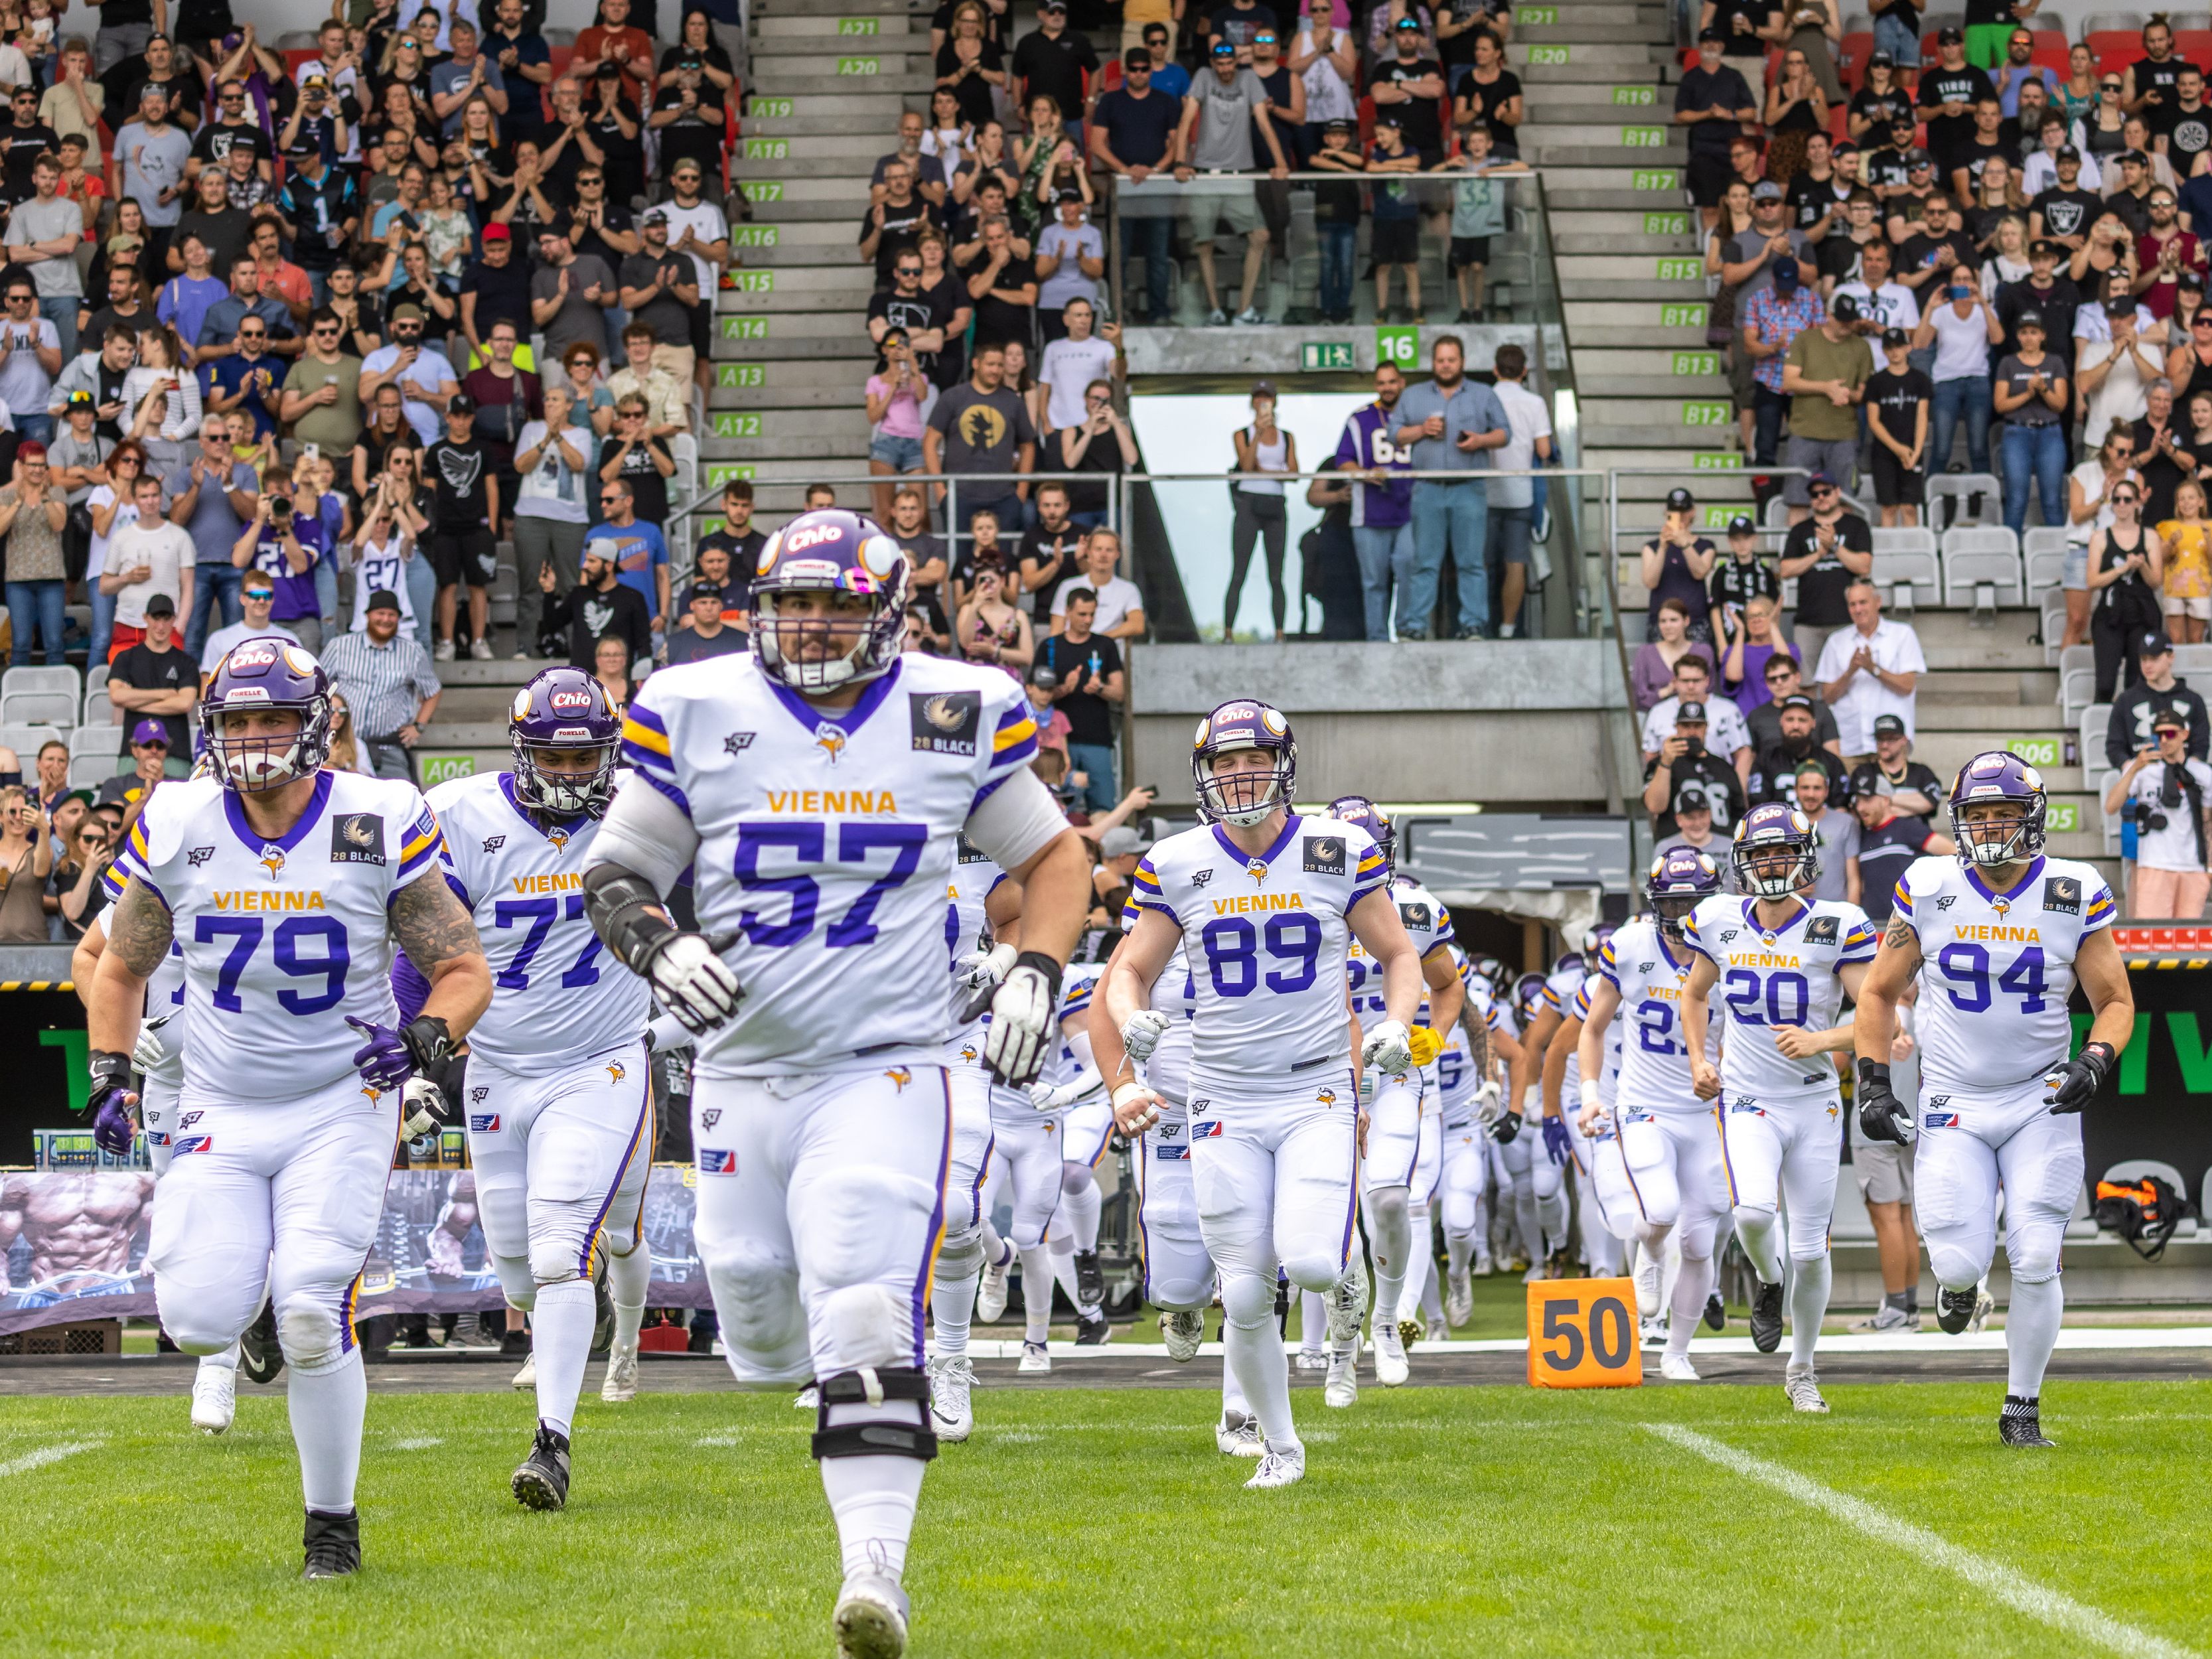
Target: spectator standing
[(214, 498), (1914, 786), (258, 592), (1410, 84), (2165, 788), (43, 233), (1729, 738), (1055, 61), (2119, 355), (1839, 830), (148, 165), (892, 223), (465, 518), (1675, 565), (1002, 283), (27, 860), (552, 464), (691, 110), (982, 429), (600, 604), (1395, 237), (708, 634), (1049, 551), (1512, 501), (1826, 553), (1784, 679), (30, 357), (1071, 257), (1132, 132), (1075, 357), (425, 379), (1121, 606), (1781, 761), (570, 295), (1773, 316), (1100, 444), (1451, 424), (1381, 506), (1961, 329), (2126, 564), (1899, 399), (1715, 102), (1868, 670), (894, 394), (1754, 639), (32, 514), (321, 401), (1685, 776), (388, 683), (635, 547), (154, 681), (1089, 684), (1224, 108), (632, 453), (1889, 842), (1743, 576), (146, 557), (1337, 213), (1825, 373), (2156, 687), (928, 319), (1651, 672), (2033, 394), (1265, 454)]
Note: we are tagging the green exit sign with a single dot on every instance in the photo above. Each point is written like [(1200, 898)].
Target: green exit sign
[(444, 769), (767, 109), (1399, 345), (2037, 751), (1325, 354), (1682, 314), (1543, 55), (1643, 137), (1666, 224), (1680, 270), (1706, 412), (1637, 95), (740, 375), (1697, 362), (1716, 460), (1655, 179)]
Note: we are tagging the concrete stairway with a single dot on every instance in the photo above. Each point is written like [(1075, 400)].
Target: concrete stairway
[(791, 349)]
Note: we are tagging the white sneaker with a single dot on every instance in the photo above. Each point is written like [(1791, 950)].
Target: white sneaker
[(1459, 1299), (621, 1384), (1389, 1356), (1308, 1361), (949, 1413), (480, 650), (1483, 1267), (442, 652), (215, 1398), (1240, 1438), (1341, 1388), (1250, 317), (808, 1399), (1803, 1389), (1677, 1368), (1283, 1466), (871, 1619), (991, 1294), (1183, 1330), (1036, 1357), (527, 1378)]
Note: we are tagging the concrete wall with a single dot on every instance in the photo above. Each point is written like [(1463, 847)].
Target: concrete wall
[(1509, 722)]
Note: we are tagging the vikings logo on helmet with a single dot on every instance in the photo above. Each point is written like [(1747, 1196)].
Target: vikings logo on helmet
[(1244, 798), (1777, 850), (1357, 809), (834, 551), (259, 676), (1998, 779), (563, 709), (1680, 877)]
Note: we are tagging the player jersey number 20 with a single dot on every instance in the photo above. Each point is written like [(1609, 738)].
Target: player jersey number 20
[(1233, 948), (808, 844)]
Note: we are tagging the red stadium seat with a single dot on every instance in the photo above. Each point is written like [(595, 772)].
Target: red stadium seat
[(2114, 49), (2054, 54), (2195, 45), (1851, 53)]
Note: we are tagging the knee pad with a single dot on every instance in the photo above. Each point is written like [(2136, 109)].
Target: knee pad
[(961, 1257), (754, 1293), (1459, 1214), (517, 1281), (868, 1323), (309, 1332), (875, 1411), (2032, 1253), (1318, 1273), (1075, 1178), (1954, 1267), (1389, 1206), (1248, 1301), (559, 1248)]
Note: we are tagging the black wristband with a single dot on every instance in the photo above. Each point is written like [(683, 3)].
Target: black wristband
[(2099, 1057), (108, 1066), (1872, 1073), (1045, 965), (429, 1041)]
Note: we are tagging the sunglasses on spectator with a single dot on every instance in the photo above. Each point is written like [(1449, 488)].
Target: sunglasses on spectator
[(2109, 86), (1821, 489), (910, 271)]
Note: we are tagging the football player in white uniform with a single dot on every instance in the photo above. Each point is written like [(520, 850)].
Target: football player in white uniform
[(1609, 1216), (1782, 965), (818, 788), (1072, 1085), (1471, 1074), (287, 887), (2001, 935), (559, 1098), (1666, 1133), (1402, 1157), (1261, 901)]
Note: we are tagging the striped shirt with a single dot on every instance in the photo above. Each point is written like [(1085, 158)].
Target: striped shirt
[(383, 685)]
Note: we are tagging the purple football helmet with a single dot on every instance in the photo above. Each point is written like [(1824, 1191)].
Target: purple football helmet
[(829, 551), (563, 708), (1244, 798), (1357, 809), (1680, 877), (1775, 827), (1996, 778), (1594, 947), (267, 673), (1528, 991)]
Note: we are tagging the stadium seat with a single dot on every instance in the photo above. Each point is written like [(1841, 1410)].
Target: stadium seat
[(2116, 44), (2077, 679), (1906, 566), (2051, 602), (2080, 1224), (1954, 489), (90, 739), (34, 679), (39, 708), (26, 739), (2044, 549), (98, 710), (2195, 44), (2091, 734), (2192, 660), (95, 676), (1981, 569), (1852, 52), (90, 771)]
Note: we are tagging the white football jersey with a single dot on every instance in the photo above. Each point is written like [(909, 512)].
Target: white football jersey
[(1561, 989), (556, 997), (282, 939), (1996, 971), (1076, 987), (1266, 938), (1655, 1060), (1456, 1081), (826, 845), (1175, 993), (974, 876), (1785, 977), (1570, 1087)]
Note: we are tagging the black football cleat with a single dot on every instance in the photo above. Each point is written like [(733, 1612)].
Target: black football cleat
[(1092, 1333), (1954, 1311), (260, 1356), (514, 1345), (1715, 1312), (542, 1482), (1090, 1278), (2021, 1423), (333, 1543), (1766, 1317), (603, 1302)]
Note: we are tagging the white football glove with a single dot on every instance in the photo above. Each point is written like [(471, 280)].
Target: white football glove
[(1389, 1050), (1489, 1101), (150, 1053), (1144, 1031), (422, 1104), (982, 969), (1021, 1024), (694, 983), (1058, 1097)]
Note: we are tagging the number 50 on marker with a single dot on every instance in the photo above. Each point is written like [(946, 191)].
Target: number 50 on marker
[(1582, 1335)]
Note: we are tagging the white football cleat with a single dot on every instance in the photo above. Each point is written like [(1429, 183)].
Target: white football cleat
[(1677, 1368), (871, 1619), (1483, 1267), (1984, 1305), (1279, 1466), (1240, 1438), (527, 1378), (1347, 1302), (1389, 1356), (949, 1413), (1183, 1330), (1036, 1357), (215, 1398), (1459, 1299), (1536, 1271), (1647, 1280), (1310, 1362), (808, 1399), (991, 1294), (1803, 1389), (620, 1386), (1342, 1387)]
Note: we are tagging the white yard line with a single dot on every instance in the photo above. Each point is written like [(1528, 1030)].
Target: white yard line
[(2000, 1582), (45, 1455)]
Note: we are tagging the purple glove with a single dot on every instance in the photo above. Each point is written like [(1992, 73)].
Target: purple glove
[(383, 1061), (113, 1127), (1557, 1142)]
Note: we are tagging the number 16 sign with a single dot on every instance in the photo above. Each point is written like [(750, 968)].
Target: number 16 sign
[(1582, 1335)]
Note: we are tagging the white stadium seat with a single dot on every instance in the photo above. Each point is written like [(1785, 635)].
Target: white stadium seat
[(1981, 569), (1907, 568), (38, 709)]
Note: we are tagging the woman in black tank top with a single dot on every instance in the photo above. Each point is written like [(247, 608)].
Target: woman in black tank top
[(2127, 564)]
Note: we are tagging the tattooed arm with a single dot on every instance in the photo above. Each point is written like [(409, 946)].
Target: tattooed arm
[(440, 937), (138, 929), (1885, 983)]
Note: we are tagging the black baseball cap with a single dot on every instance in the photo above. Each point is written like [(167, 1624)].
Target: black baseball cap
[(160, 606), (1690, 714), (1743, 525), (1881, 60), (2152, 643), (2029, 320), (1889, 725), (1797, 700), (1844, 308), (1867, 779), (2170, 716), (1895, 336), (702, 591), (1951, 35), (1137, 57), (1705, 34), (1680, 500)]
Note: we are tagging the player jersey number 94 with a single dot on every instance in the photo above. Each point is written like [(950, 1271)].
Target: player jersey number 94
[(787, 848)]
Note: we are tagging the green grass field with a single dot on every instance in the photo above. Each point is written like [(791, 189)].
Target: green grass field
[(1486, 1521)]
